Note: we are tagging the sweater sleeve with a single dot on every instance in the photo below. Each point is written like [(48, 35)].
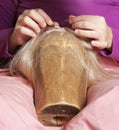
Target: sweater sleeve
[(115, 46), (8, 11), (4, 36)]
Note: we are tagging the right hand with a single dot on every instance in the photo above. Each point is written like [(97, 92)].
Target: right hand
[(28, 25)]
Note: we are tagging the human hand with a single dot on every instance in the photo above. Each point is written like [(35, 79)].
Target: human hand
[(28, 25), (94, 28)]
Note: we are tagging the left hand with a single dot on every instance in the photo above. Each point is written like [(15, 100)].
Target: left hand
[(94, 28)]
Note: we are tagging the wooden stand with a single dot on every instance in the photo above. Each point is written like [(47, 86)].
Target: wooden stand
[(63, 78)]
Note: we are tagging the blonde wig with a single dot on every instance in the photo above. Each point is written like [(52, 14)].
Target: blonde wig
[(39, 59)]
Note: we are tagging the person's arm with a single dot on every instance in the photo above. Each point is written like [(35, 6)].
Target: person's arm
[(4, 39), (7, 20)]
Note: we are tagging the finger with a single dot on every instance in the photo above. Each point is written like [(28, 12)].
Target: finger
[(88, 17), (29, 23), (98, 44), (71, 16), (24, 31), (23, 34), (86, 33), (92, 18), (47, 19), (56, 23), (72, 19), (84, 25), (36, 17)]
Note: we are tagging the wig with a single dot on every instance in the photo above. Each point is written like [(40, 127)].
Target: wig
[(57, 60)]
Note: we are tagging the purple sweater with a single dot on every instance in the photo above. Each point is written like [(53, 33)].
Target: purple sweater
[(59, 10)]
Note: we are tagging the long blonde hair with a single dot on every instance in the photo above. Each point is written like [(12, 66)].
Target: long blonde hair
[(27, 60)]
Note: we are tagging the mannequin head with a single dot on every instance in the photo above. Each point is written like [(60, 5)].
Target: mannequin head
[(60, 67)]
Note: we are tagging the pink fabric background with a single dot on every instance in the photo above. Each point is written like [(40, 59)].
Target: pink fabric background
[(17, 110)]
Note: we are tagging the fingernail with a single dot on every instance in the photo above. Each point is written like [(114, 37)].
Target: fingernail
[(71, 16), (50, 22), (76, 31), (44, 25), (34, 34), (38, 30)]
